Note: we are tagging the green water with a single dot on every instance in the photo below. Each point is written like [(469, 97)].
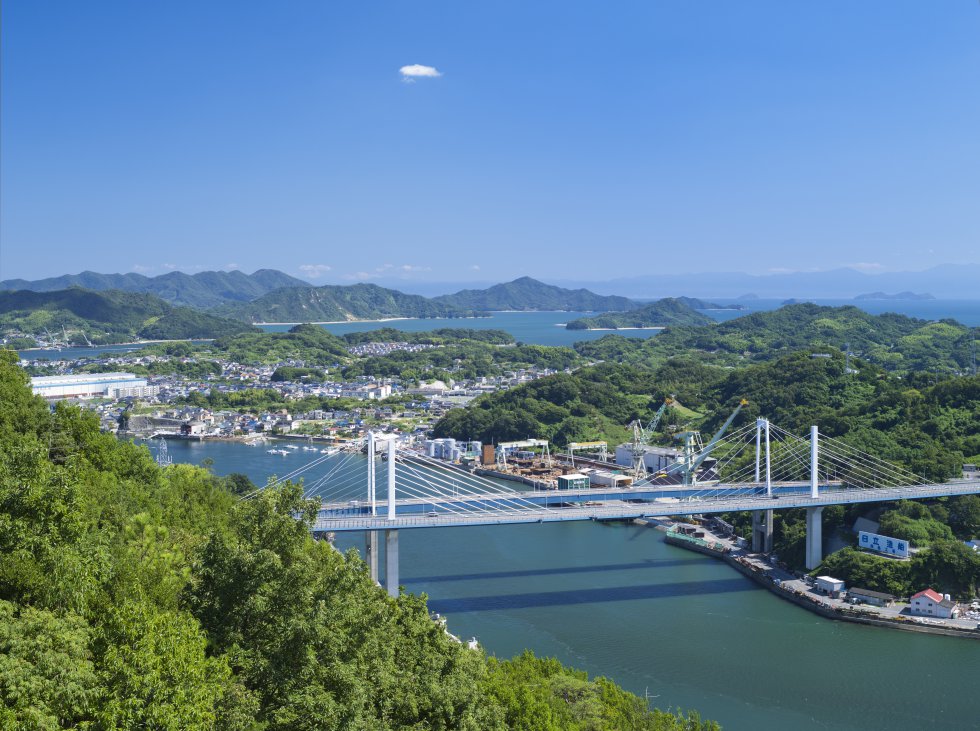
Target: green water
[(615, 600)]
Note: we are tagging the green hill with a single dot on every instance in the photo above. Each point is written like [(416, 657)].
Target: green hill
[(201, 290), (530, 294), (662, 313), (339, 303), (108, 317), (896, 342)]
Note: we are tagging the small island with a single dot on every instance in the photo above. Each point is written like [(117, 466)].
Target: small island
[(662, 313), (911, 296)]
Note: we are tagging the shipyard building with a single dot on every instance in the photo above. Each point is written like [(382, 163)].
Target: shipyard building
[(93, 385)]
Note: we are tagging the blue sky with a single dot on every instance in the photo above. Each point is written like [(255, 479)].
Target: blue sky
[(561, 140)]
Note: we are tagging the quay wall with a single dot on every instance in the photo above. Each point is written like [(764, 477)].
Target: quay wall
[(844, 615)]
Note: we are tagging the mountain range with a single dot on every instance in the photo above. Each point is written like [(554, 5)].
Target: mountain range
[(201, 290), (108, 317)]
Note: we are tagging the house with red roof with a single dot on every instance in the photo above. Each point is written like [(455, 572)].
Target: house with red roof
[(930, 603)]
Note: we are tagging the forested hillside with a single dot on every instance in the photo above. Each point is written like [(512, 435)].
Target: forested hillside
[(895, 342), (337, 303), (929, 428), (133, 596), (108, 317), (662, 313), (530, 294)]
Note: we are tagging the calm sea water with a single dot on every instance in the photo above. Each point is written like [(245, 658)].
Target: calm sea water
[(546, 328), (615, 600)]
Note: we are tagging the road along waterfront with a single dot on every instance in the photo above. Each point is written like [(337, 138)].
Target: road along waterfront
[(616, 600)]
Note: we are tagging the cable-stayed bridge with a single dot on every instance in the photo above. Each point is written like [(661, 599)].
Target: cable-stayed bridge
[(758, 468)]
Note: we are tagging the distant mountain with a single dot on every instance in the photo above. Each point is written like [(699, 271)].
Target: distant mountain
[(899, 296), (662, 313), (336, 303), (201, 290), (530, 294), (107, 317)]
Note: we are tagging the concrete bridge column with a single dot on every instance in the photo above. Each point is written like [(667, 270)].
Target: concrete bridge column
[(372, 549), (391, 562), (814, 537), (762, 531)]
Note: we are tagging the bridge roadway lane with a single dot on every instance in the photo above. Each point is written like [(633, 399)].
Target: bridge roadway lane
[(542, 507)]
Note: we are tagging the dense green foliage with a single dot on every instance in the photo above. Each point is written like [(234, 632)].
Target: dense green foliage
[(466, 360), (108, 317), (947, 566), (439, 336), (530, 294), (895, 342), (309, 343), (133, 596), (338, 303), (662, 313), (930, 430), (204, 289), (592, 403)]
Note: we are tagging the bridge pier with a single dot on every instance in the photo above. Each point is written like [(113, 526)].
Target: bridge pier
[(372, 548), (391, 562), (762, 531), (814, 537)]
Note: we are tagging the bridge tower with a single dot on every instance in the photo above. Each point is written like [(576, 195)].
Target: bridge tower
[(372, 547), (391, 534), (814, 516), (762, 519)]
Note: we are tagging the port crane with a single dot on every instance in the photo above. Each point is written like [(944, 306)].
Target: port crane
[(642, 435), (688, 465)]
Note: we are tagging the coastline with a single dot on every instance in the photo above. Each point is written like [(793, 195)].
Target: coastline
[(802, 600)]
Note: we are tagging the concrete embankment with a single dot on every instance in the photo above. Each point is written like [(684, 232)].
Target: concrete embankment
[(801, 599)]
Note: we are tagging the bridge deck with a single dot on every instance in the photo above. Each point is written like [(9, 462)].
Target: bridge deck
[(619, 504)]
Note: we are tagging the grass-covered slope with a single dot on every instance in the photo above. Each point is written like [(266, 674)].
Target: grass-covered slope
[(133, 596), (106, 317)]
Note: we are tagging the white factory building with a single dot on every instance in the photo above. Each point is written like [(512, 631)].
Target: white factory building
[(93, 385), (655, 459)]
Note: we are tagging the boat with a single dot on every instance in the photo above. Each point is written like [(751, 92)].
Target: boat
[(277, 451)]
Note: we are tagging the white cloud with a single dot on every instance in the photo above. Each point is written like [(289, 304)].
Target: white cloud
[(359, 276), (141, 269), (415, 268), (418, 71), (475, 267), (314, 270), (232, 266)]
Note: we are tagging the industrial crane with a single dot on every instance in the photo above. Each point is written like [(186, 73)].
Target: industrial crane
[(694, 453), (641, 437)]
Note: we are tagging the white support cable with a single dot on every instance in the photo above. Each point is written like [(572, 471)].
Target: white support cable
[(847, 449), (867, 465), (487, 487), (498, 496)]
